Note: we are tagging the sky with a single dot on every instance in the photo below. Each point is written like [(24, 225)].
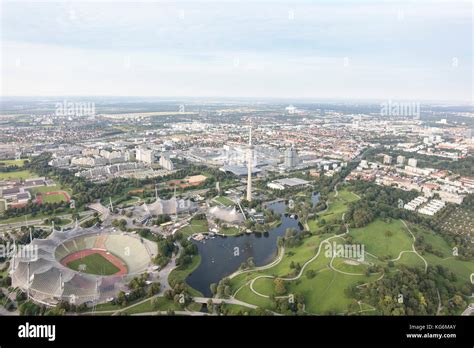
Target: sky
[(282, 49)]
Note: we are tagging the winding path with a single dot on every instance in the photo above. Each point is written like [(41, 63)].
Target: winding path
[(302, 268), (412, 247), (281, 253)]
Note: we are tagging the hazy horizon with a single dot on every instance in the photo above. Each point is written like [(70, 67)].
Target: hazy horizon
[(361, 50)]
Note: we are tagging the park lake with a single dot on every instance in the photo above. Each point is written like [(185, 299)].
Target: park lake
[(221, 256)]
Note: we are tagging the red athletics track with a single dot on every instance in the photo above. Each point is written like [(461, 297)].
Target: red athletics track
[(109, 257), (39, 196)]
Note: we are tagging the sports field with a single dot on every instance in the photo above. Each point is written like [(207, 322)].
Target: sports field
[(94, 262), (52, 197)]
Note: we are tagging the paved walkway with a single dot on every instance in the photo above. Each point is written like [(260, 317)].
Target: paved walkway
[(412, 246)]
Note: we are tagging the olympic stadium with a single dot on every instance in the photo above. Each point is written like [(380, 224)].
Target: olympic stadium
[(81, 265)]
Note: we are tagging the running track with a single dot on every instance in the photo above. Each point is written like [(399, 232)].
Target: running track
[(109, 257), (39, 196)]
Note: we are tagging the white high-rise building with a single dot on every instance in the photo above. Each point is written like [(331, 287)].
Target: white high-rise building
[(166, 163), (387, 159), (249, 166), (412, 162), (291, 157), (145, 155)]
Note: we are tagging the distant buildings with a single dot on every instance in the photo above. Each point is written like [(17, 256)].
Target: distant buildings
[(60, 162), (415, 203), (88, 161), (401, 160), (145, 155), (239, 170), (291, 157), (281, 184), (110, 171), (412, 162), (8, 152), (432, 207), (166, 163), (291, 110), (469, 133), (17, 194), (387, 159)]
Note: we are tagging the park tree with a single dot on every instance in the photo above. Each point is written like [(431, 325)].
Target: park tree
[(213, 287), (280, 287)]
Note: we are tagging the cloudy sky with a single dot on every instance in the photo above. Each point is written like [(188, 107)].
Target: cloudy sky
[(309, 49)]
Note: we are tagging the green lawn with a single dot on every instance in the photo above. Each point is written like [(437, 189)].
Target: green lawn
[(326, 292), (233, 309), (129, 202), (430, 237), (95, 264), (20, 174), (161, 304), (27, 217), (224, 200), (376, 241), (6, 163), (195, 226), (62, 222), (337, 207), (248, 296), (411, 260), (264, 286), (229, 231)]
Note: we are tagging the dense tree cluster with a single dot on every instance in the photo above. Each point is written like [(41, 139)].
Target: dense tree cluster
[(179, 294), (290, 305), (166, 247), (411, 291), (222, 289), (189, 250)]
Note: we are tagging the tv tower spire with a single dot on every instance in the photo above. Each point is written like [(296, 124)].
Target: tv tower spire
[(249, 166)]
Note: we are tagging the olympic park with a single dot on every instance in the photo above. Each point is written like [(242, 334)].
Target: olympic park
[(81, 265)]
